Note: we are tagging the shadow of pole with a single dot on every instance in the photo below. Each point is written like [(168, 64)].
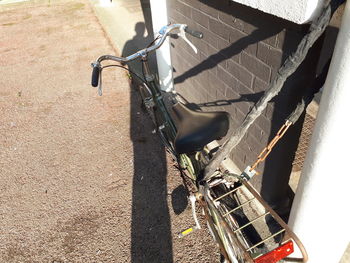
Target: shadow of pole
[(151, 239), (226, 53)]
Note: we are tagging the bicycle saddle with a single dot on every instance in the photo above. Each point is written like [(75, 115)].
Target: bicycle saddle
[(196, 129)]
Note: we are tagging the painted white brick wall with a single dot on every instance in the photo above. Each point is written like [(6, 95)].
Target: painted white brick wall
[(297, 11)]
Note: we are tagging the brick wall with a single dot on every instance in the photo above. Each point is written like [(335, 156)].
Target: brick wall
[(238, 57)]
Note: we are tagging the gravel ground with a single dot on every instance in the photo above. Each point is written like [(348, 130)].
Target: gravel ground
[(83, 179)]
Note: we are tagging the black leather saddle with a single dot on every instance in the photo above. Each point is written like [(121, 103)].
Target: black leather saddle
[(196, 129)]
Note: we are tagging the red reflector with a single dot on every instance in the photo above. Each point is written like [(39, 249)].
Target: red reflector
[(276, 254)]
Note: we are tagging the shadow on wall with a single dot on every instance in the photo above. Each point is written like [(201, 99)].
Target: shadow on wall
[(151, 239), (257, 28)]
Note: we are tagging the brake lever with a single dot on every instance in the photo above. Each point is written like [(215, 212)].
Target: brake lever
[(183, 35), (100, 85)]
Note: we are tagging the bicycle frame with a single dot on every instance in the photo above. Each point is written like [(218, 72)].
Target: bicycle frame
[(167, 122), (194, 166), (157, 97)]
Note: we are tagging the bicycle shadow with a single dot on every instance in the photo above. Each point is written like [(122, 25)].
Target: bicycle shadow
[(151, 239), (254, 97)]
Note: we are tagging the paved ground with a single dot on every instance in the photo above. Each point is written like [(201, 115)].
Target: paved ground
[(82, 177)]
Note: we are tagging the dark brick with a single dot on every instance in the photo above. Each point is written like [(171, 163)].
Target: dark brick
[(202, 91), (272, 40), (246, 154), (280, 39), (248, 27), (255, 145), (211, 98), (269, 55), (269, 111), (208, 37), (245, 106), (238, 24), (200, 18), (226, 18), (237, 160), (255, 66), (244, 90), (188, 54), (204, 77), (251, 49), (261, 29), (239, 114), (236, 35), (198, 43), (287, 40), (193, 3), (178, 17), (226, 49), (259, 85), (216, 57), (258, 134), (242, 74), (196, 96), (172, 5), (226, 77), (211, 85), (220, 29), (264, 124), (209, 7), (232, 95), (234, 122), (222, 43), (208, 64), (220, 96), (214, 84), (184, 9)]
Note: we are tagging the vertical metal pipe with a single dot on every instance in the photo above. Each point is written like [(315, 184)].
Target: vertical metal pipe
[(160, 19), (320, 214)]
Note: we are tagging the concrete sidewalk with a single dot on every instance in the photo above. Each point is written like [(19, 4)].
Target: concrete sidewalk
[(119, 19), (128, 25)]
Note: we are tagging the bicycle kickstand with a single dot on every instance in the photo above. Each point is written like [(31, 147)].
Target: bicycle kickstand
[(197, 226)]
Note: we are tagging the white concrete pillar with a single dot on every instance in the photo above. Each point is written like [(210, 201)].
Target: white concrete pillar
[(105, 3), (320, 214), (165, 70)]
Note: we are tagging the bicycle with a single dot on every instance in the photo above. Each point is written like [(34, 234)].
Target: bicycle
[(227, 200)]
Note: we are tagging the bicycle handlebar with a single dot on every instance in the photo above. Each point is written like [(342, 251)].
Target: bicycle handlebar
[(163, 33), (96, 69), (194, 33)]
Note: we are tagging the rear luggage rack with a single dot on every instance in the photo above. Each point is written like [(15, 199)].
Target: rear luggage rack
[(256, 232)]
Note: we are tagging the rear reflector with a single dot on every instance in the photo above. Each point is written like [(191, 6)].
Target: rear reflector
[(276, 254)]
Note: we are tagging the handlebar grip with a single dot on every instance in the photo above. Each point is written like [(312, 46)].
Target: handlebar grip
[(194, 33), (95, 75)]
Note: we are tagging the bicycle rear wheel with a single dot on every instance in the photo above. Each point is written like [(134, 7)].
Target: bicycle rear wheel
[(230, 248)]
